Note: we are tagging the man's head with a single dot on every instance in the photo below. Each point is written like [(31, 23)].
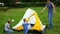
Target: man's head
[(48, 1)]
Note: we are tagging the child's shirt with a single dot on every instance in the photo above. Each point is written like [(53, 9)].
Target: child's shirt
[(7, 26), (25, 26)]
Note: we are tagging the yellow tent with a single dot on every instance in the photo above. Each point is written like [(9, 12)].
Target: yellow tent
[(35, 22)]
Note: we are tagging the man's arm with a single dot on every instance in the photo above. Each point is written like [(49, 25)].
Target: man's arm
[(44, 8), (53, 8)]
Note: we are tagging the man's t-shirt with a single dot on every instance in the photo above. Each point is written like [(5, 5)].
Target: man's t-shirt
[(50, 8), (7, 25)]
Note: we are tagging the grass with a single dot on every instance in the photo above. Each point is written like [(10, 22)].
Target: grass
[(17, 14)]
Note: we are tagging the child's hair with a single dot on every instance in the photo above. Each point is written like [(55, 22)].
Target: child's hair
[(8, 20), (24, 19)]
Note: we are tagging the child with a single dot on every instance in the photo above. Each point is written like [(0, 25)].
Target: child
[(25, 26), (7, 27), (51, 7)]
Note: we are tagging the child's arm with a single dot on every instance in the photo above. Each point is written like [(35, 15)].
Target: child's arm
[(53, 8), (44, 8)]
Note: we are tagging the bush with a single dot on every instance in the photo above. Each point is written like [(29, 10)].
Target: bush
[(58, 3), (29, 4), (3, 8)]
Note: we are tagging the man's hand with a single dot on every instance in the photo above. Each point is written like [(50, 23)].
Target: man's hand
[(54, 13), (43, 9)]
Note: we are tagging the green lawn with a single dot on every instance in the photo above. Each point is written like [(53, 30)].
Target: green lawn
[(17, 14)]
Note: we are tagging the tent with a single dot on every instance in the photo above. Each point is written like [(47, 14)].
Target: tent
[(35, 22)]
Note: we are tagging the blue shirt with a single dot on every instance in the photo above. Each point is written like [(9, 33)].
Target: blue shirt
[(25, 26), (50, 8)]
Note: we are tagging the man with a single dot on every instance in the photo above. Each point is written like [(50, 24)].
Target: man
[(7, 27), (50, 7), (25, 26)]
